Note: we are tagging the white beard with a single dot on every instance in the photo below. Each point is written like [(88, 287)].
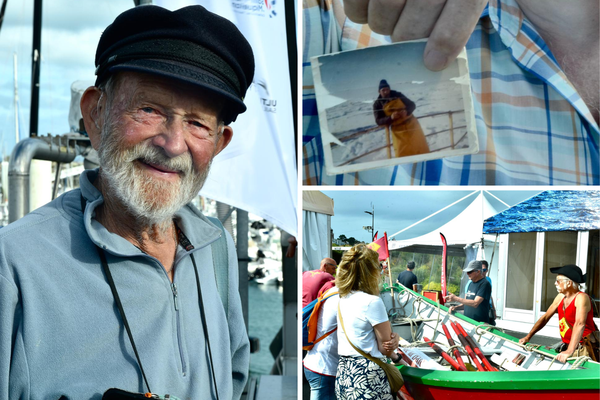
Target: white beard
[(151, 201)]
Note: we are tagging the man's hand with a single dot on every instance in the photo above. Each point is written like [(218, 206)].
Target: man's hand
[(524, 339), (451, 309), (392, 344), (399, 114), (451, 297), (447, 23), (562, 357)]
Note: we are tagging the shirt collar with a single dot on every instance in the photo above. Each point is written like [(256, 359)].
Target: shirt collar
[(197, 228)]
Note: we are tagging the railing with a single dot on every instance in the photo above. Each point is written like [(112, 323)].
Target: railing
[(389, 144)]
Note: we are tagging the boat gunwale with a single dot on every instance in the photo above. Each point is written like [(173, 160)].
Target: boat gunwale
[(579, 379)]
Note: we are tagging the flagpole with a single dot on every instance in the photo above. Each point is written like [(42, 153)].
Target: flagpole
[(391, 283)]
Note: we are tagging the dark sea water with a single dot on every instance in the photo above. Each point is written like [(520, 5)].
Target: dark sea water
[(265, 317)]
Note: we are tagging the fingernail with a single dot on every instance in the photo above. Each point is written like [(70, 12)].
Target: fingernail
[(435, 60)]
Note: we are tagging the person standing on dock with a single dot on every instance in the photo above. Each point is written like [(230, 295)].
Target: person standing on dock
[(122, 283), (477, 299), (313, 281), (578, 331), (395, 110), (407, 278)]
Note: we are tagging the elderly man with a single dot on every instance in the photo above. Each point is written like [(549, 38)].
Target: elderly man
[(124, 284), (313, 281), (477, 299), (395, 110), (575, 315)]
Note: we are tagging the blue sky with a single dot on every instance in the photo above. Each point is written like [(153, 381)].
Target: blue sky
[(398, 209), (71, 30)]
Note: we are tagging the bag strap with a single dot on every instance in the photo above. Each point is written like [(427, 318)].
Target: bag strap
[(362, 353), (220, 256)]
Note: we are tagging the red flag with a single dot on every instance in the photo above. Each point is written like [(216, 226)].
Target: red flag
[(375, 237), (444, 258), (380, 246)]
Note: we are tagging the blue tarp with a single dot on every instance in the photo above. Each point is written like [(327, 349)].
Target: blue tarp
[(552, 210)]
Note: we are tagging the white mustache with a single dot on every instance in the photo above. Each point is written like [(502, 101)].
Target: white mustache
[(153, 155)]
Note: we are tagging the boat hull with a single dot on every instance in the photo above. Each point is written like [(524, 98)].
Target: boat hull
[(532, 384), (427, 392)]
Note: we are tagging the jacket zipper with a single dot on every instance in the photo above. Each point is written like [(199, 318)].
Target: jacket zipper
[(176, 303), (178, 322)]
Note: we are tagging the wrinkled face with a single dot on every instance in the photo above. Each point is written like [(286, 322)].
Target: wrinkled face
[(156, 145), (562, 283), (385, 92)]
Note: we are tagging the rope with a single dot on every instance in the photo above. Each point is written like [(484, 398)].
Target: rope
[(456, 346), (579, 361)]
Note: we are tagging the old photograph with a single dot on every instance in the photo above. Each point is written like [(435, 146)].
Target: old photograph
[(380, 106)]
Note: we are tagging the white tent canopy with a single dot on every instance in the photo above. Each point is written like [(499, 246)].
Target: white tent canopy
[(463, 230), (317, 210)]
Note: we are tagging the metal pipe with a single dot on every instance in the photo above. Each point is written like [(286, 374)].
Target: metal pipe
[(242, 251), (19, 166)]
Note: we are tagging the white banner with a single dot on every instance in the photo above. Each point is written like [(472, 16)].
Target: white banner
[(257, 171)]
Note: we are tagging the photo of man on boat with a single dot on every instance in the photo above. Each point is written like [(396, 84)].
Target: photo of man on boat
[(395, 111)]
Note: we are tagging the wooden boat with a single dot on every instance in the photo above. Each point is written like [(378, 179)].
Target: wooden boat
[(524, 371)]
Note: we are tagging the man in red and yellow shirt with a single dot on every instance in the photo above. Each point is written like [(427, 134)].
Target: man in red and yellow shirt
[(574, 312)]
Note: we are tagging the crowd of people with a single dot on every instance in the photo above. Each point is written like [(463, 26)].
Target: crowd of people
[(341, 365), (334, 367)]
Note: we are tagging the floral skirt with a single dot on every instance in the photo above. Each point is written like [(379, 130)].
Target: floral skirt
[(360, 378)]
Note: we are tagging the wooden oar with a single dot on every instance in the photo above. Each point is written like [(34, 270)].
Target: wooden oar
[(476, 348), (446, 357), (451, 343), (467, 347)]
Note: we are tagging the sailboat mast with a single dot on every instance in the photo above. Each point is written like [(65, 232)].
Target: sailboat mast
[(16, 99), (35, 68)]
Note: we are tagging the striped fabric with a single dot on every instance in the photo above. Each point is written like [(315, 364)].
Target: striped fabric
[(533, 127)]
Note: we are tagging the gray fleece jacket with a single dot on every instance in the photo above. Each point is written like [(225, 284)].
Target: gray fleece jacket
[(61, 333)]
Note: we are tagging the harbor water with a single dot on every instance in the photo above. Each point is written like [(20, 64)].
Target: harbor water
[(265, 318)]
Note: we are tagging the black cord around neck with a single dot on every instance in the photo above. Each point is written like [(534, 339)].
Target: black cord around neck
[(204, 326), (113, 288)]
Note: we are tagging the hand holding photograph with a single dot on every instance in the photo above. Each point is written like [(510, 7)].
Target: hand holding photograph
[(380, 106)]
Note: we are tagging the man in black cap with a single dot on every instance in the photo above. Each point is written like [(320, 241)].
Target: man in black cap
[(395, 110), (477, 298), (575, 317), (407, 277), (125, 284)]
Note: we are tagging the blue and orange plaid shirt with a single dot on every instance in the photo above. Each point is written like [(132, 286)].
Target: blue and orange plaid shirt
[(532, 125)]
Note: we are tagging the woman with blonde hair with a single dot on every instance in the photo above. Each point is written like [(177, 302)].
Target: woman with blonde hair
[(364, 317)]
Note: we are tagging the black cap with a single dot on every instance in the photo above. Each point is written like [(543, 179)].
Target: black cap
[(191, 44), (573, 272), (383, 83)]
